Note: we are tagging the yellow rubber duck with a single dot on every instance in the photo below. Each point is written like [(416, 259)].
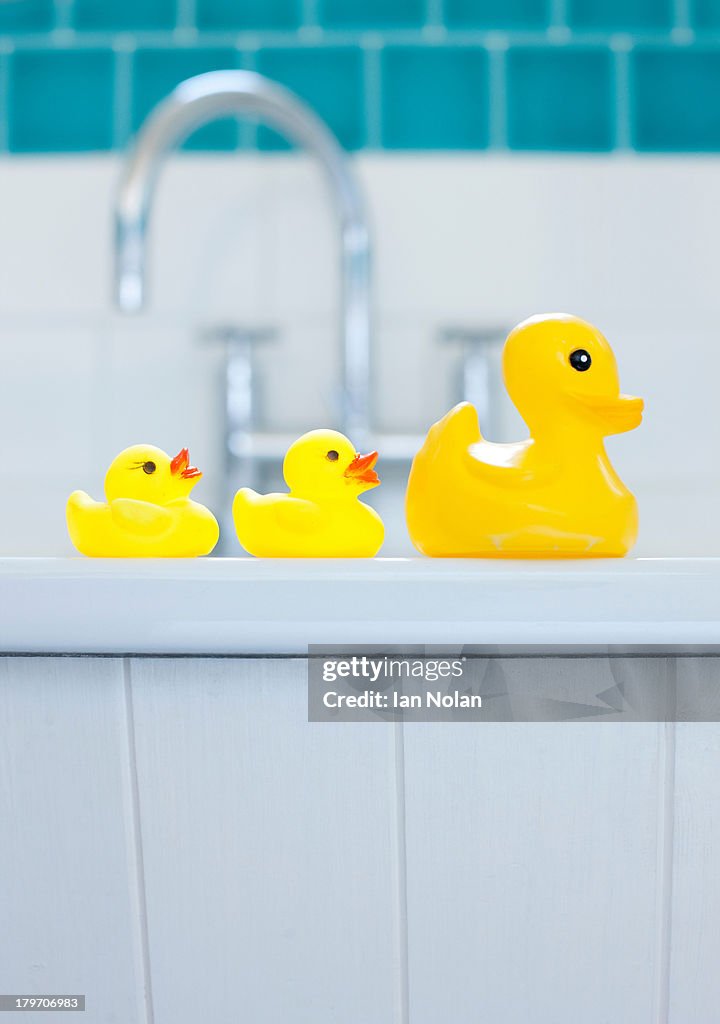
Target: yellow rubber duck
[(554, 495), (148, 513), (321, 517)]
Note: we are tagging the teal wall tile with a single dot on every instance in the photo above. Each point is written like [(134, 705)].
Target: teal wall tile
[(60, 101), (705, 14), (156, 72), (621, 15), (560, 98), (509, 14), (371, 13), (430, 93), (329, 79), (124, 15), (248, 14), (673, 99), (435, 98), (27, 16)]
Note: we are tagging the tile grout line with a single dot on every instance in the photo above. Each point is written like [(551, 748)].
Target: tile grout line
[(321, 37), (558, 14), (122, 98), (137, 844), (247, 128), (5, 99), (622, 98), (310, 14), (681, 14), (434, 14), (372, 67), (401, 907), (64, 11), (497, 113), (186, 14)]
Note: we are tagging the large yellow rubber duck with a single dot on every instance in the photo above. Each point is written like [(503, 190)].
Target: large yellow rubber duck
[(554, 495), (321, 517), (148, 513)]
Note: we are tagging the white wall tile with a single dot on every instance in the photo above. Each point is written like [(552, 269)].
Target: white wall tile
[(55, 251), (49, 417)]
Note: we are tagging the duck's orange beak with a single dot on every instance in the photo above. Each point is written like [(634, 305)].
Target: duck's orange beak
[(181, 465), (616, 414), (361, 469)]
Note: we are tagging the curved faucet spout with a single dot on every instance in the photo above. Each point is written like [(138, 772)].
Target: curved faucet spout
[(225, 93)]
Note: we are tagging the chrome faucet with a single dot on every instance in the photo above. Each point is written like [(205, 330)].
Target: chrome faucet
[(220, 94), (479, 378)]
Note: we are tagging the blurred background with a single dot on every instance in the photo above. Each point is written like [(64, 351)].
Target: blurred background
[(516, 156)]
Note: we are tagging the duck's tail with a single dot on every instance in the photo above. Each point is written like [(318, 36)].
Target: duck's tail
[(454, 433), (78, 505), (79, 500), (244, 507), (254, 518), (244, 501), (436, 473)]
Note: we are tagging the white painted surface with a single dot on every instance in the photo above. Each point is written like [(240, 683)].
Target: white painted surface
[(627, 241), (532, 872), (270, 849), (256, 606), (69, 885), (187, 847), (694, 991)]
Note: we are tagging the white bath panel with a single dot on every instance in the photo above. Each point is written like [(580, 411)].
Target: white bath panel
[(533, 886), (70, 906), (270, 849), (694, 989)]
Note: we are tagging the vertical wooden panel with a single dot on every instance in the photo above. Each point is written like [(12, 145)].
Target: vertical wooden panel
[(269, 848), (534, 882), (68, 887), (695, 924)]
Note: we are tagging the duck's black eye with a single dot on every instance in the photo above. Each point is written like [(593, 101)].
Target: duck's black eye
[(580, 360), (149, 468), (332, 455)]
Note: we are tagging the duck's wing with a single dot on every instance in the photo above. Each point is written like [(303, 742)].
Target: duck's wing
[(298, 515), (457, 440), (507, 465), (293, 515), (140, 517)]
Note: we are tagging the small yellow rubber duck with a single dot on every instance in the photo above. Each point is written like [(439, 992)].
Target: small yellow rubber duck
[(148, 513), (554, 495), (321, 517)]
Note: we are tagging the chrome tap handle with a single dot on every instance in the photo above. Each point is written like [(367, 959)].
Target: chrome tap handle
[(241, 412), (477, 373)]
